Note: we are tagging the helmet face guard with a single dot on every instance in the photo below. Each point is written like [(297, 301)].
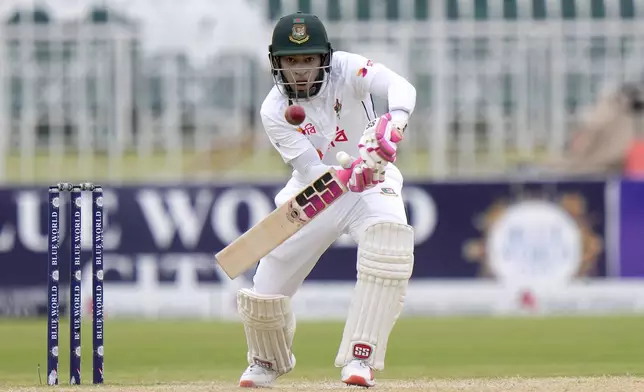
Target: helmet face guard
[(288, 80), (300, 34)]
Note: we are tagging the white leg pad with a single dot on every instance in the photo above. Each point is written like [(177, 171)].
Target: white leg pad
[(270, 326), (385, 264)]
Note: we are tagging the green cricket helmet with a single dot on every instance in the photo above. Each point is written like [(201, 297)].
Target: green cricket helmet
[(300, 34)]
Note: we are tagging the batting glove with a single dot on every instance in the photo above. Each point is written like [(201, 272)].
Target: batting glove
[(361, 176), (379, 141)]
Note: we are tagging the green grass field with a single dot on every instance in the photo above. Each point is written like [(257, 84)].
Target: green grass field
[(189, 165), (442, 354)]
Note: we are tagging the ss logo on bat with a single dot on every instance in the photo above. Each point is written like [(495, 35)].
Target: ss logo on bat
[(317, 196)]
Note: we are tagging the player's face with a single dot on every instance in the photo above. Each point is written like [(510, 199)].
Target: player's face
[(301, 70)]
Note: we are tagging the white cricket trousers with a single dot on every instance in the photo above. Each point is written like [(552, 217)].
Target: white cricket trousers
[(284, 269)]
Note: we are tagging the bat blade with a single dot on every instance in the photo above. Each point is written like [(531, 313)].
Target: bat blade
[(281, 224)]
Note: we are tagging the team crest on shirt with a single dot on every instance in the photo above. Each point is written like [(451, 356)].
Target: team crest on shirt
[(337, 108), (299, 34)]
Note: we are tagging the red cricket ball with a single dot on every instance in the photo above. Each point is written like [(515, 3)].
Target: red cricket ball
[(295, 115)]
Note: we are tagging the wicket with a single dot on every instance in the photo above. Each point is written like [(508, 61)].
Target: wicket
[(75, 311)]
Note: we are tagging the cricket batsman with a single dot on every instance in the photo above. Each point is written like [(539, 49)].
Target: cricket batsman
[(341, 130)]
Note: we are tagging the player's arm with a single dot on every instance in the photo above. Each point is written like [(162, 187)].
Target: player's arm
[(387, 84), (368, 77), (294, 148), (298, 152), (380, 139)]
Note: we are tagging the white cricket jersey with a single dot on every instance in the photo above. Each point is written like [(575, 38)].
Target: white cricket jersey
[(335, 118)]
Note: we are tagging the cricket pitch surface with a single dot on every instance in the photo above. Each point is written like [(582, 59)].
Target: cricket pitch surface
[(560, 384)]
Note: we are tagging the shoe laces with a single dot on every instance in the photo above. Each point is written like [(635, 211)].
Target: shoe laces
[(364, 364), (258, 369)]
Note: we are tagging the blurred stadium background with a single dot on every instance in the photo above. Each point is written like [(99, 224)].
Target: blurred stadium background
[(128, 91), (158, 101)]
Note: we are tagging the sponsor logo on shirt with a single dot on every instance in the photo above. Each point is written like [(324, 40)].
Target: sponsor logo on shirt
[(388, 191), (308, 129), (340, 136), (363, 71)]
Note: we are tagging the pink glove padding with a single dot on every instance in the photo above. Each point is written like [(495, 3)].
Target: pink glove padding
[(379, 142), (355, 173)]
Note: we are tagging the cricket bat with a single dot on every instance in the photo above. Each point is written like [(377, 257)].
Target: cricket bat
[(282, 223)]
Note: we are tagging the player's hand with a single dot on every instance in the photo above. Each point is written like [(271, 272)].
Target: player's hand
[(361, 176), (379, 141)]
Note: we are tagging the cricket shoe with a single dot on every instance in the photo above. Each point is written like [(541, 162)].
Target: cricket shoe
[(257, 376), (358, 373)]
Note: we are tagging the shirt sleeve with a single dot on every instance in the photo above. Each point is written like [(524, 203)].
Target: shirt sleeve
[(295, 148), (367, 77), (359, 71), (310, 165), (400, 94), (284, 137)]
